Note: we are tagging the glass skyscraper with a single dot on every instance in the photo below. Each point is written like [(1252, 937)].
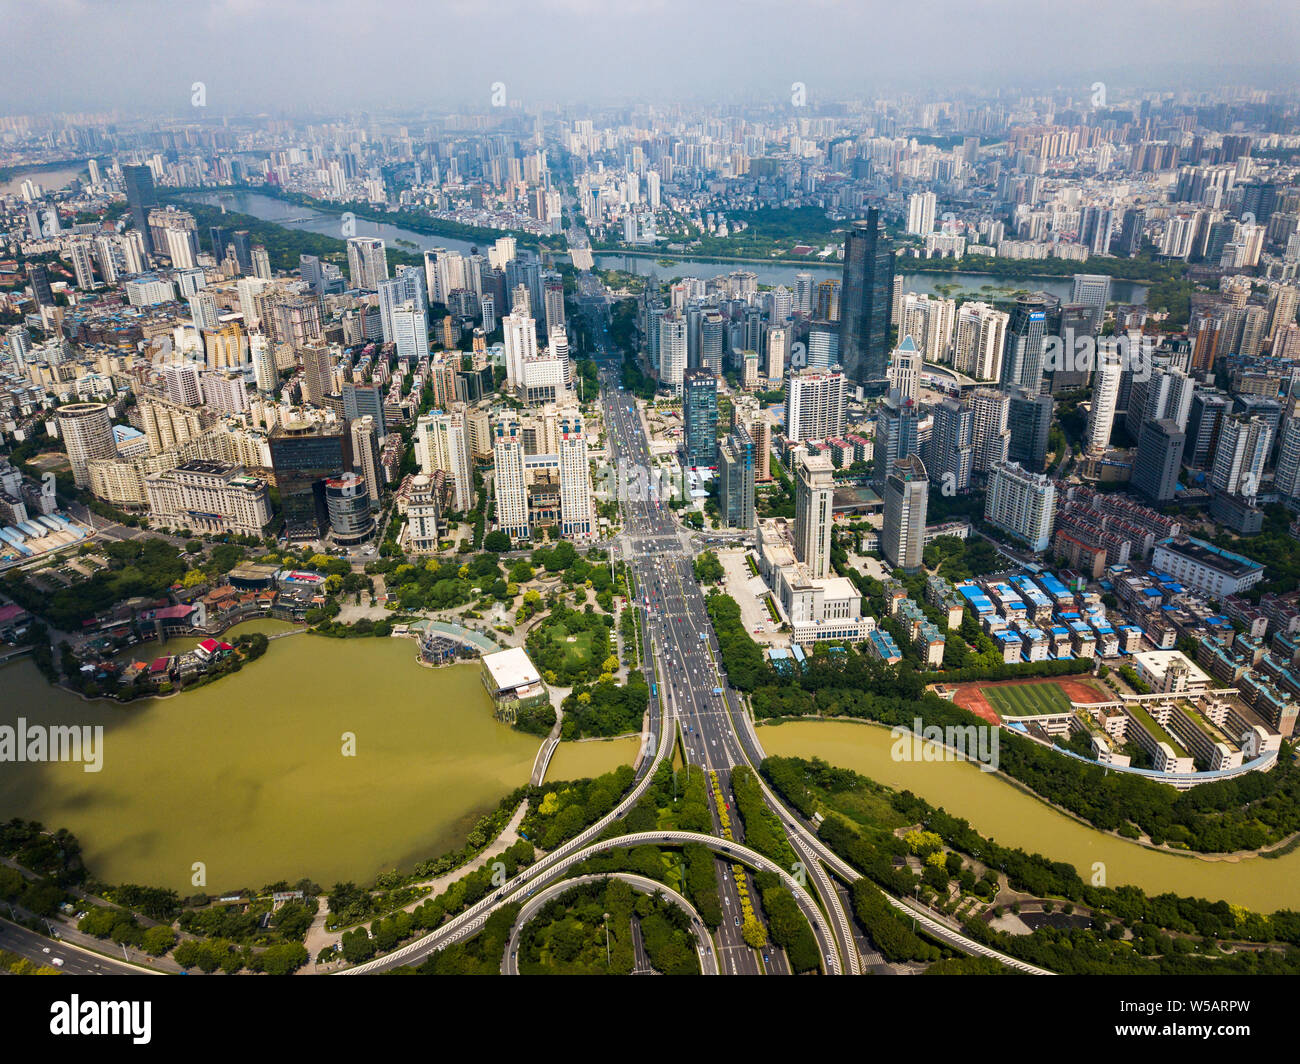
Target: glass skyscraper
[(140, 196), (1022, 356), (700, 418), (865, 299)]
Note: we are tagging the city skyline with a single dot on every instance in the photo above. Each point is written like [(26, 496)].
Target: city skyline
[(259, 58)]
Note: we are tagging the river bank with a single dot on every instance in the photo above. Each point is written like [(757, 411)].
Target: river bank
[(1016, 816)]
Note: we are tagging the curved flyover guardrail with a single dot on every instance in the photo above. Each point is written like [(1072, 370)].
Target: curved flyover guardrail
[(474, 917), (642, 884)]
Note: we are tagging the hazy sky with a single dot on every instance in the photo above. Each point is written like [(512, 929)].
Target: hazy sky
[(340, 55)]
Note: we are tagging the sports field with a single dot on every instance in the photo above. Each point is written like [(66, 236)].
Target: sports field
[(1027, 700)]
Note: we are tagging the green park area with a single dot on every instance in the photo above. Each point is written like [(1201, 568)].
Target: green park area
[(572, 646)]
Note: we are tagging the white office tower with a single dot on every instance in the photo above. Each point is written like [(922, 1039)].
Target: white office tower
[(423, 515), (804, 293), (978, 339), (82, 265), (577, 513), (265, 371), (781, 305), (778, 349), (1244, 444), (672, 351), (488, 308), (520, 334), (204, 311), (261, 263), (181, 382), (520, 301), (508, 478), (1166, 395), (1022, 504), (1092, 290), (433, 275), (249, 289), (87, 435), (991, 433), (905, 371), (367, 262), (920, 213), (1105, 394), (502, 252), (407, 286), (929, 321), (365, 455), (442, 442), (813, 518), (557, 343), (814, 405), (410, 325)]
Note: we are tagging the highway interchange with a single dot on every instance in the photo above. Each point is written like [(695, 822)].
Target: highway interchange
[(691, 699)]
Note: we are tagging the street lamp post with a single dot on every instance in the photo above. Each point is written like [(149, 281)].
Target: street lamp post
[(606, 940)]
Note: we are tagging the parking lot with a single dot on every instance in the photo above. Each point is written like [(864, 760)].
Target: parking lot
[(747, 590)]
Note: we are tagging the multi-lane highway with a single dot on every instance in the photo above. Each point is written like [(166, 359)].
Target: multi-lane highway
[(693, 701)]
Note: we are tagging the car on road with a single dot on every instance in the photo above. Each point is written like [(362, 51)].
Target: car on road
[(737, 921)]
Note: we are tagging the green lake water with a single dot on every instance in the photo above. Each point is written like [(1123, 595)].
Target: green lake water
[(1011, 817), (247, 774)]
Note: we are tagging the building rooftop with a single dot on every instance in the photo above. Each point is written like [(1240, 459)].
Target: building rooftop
[(1209, 555), (511, 669)]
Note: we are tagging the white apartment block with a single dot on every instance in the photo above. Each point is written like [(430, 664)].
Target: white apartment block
[(1022, 504), (814, 405)]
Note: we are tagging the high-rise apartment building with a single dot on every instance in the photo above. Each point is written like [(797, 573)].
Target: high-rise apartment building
[(87, 433), (951, 447), (1022, 504), (814, 405), (902, 535), (979, 336), (367, 262), (442, 442), (1105, 394)]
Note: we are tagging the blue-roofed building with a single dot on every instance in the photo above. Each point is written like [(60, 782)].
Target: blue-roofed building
[(882, 646), (1011, 646), (1211, 570), (978, 601)]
